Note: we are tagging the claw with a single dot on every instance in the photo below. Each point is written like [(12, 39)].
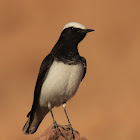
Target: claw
[(69, 127), (72, 134), (57, 126)]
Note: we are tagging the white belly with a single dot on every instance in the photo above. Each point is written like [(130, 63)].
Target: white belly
[(61, 83)]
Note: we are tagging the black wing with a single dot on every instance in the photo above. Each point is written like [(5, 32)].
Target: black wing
[(45, 66), (84, 65)]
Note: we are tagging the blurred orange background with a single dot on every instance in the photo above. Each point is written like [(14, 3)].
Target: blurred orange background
[(107, 104)]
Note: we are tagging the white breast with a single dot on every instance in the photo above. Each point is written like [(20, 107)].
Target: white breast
[(61, 83)]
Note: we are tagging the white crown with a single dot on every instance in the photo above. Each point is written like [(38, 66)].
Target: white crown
[(74, 24)]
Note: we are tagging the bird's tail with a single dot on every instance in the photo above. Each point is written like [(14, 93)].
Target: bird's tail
[(33, 122)]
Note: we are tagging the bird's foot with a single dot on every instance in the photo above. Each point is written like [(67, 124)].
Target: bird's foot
[(57, 127), (69, 127), (61, 126)]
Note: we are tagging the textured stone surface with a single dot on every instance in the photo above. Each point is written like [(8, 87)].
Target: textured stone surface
[(52, 134)]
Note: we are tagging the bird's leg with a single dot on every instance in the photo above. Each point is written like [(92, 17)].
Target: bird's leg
[(69, 126), (54, 122)]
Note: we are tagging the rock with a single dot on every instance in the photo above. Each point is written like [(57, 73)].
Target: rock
[(52, 133)]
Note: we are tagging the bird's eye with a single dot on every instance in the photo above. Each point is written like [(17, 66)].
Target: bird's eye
[(72, 28)]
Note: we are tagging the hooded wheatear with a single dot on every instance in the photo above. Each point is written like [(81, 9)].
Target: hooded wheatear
[(59, 77)]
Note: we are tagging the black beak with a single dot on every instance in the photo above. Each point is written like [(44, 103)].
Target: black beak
[(89, 30)]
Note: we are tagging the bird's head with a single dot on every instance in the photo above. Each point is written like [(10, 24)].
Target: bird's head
[(74, 32)]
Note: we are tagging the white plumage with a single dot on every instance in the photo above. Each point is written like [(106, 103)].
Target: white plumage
[(74, 24), (61, 83)]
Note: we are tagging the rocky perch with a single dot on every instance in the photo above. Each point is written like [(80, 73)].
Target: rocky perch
[(52, 133)]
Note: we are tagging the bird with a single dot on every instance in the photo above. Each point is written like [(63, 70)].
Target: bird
[(60, 75)]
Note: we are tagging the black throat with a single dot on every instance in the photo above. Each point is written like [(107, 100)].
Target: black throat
[(66, 51)]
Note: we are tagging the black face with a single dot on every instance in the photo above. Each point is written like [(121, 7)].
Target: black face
[(66, 47), (72, 34)]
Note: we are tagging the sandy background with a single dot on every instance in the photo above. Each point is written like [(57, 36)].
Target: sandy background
[(107, 104)]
